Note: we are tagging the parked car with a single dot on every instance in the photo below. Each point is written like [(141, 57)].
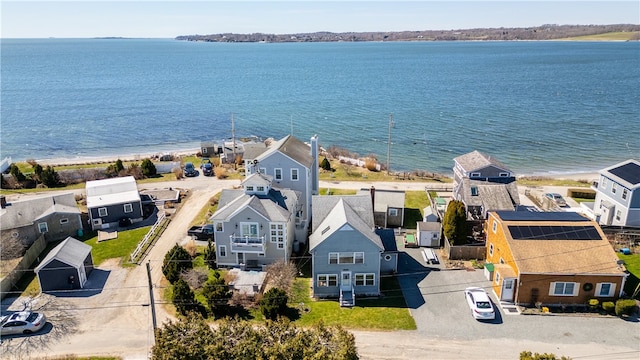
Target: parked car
[(190, 170), (479, 303), (207, 169), (23, 322), (204, 232), (556, 198)]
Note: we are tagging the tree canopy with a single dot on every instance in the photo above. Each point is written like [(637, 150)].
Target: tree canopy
[(193, 338), (175, 262), (455, 223)]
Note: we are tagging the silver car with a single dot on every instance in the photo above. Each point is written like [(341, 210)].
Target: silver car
[(556, 198), (23, 322)]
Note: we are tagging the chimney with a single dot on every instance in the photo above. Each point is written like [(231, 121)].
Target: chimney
[(3, 201), (372, 191), (315, 180)]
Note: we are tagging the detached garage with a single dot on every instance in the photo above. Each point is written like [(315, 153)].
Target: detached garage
[(66, 267)]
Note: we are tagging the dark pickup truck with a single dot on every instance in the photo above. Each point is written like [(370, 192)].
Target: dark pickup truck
[(204, 232)]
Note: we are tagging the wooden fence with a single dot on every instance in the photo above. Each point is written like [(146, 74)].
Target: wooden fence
[(464, 252), (7, 283)]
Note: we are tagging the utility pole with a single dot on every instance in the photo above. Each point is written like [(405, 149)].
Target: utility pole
[(389, 144), (233, 140), (151, 301)]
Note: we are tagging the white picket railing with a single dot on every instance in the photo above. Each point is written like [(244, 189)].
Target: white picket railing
[(147, 237)]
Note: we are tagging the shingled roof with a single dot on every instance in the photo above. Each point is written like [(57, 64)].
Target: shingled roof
[(476, 160), (293, 148), (26, 212)]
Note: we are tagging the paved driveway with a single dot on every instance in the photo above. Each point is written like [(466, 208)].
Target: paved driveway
[(436, 301)]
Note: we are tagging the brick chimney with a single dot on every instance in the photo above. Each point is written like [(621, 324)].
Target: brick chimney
[(372, 191)]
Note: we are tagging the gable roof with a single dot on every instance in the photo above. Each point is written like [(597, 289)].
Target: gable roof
[(26, 212), (626, 173), (257, 179), (70, 251), (476, 160), (118, 190), (385, 199), (564, 245), (277, 206), (291, 147), (341, 216), (322, 206)]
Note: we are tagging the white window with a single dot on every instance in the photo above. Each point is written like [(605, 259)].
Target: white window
[(277, 234), (614, 187), (501, 260), (204, 150), (102, 212), (495, 226), (497, 279), (359, 257), (605, 289), (624, 194), (277, 174), (491, 249), (393, 212), (128, 208), (294, 174), (263, 171), (249, 229), (476, 174), (260, 188), (249, 188), (618, 214), (346, 258), (563, 289), (603, 183), (43, 227), (64, 221), (218, 226), (333, 258), (223, 250), (504, 174), (365, 279), (326, 280)]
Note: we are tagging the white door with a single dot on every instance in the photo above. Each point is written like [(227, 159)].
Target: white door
[(345, 280), (507, 289), (83, 276)]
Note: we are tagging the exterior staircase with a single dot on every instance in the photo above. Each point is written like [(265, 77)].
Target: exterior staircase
[(347, 297)]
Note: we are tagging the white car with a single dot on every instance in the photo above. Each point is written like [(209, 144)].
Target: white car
[(23, 322), (480, 304)]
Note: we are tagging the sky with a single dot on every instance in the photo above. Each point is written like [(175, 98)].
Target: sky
[(168, 19)]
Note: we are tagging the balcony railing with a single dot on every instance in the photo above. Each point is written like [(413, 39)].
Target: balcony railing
[(248, 244)]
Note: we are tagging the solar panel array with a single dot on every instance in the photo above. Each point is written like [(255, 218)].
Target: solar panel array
[(629, 172), (529, 232)]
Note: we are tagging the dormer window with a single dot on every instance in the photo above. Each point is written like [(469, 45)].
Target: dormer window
[(475, 174)]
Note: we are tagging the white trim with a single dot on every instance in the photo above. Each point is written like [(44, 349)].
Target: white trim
[(275, 174), (364, 277), (494, 227), (612, 289), (552, 288), (393, 212), (125, 208), (102, 212), (43, 229), (64, 221), (327, 279), (297, 172), (222, 249), (216, 224)]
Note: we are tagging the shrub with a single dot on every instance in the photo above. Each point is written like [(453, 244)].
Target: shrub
[(593, 303), (220, 172), (210, 255), (325, 164), (175, 262), (217, 293), (273, 303), (527, 355), (371, 164), (608, 307), (191, 248), (148, 168), (178, 173), (455, 223), (50, 177), (625, 307), (183, 297)]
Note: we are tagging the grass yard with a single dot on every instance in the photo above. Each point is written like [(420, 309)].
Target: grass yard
[(329, 191), (414, 203), (122, 247), (387, 313), (632, 263)]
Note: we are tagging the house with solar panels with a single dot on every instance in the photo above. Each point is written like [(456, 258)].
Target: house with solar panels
[(617, 200), (550, 258)]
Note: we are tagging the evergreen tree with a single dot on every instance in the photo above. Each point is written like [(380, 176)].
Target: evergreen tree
[(175, 262), (455, 223), (183, 297), (37, 171), (148, 169), (217, 293), (273, 303), (16, 173), (325, 164), (210, 255), (119, 166), (50, 177)]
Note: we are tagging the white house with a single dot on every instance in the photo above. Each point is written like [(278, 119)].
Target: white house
[(618, 195)]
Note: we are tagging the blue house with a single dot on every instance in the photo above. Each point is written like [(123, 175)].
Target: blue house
[(618, 195), (345, 249)]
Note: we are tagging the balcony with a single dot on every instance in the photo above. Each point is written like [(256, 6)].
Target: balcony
[(248, 244)]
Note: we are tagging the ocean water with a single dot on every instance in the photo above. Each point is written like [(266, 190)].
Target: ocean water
[(539, 107)]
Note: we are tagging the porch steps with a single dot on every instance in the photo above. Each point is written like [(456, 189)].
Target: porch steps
[(509, 308)]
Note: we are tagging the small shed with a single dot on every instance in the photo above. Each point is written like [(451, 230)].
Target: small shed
[(429, 233), (66, 267), (430, 215)]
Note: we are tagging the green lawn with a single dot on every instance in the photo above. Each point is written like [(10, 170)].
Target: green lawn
[(329, 191), (387, 313), (632, 263), (122, 247), (414, 203)]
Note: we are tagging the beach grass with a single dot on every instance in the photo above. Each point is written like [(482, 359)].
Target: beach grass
[(549, 181), (206, 211), (611, 36)]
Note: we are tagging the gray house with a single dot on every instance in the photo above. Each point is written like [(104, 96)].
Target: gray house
[(56, 217), (254, 226), (67, 266), (346, 252), (618, 195), (388, 206), (293, 165), (112, 200), (483, 184)]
